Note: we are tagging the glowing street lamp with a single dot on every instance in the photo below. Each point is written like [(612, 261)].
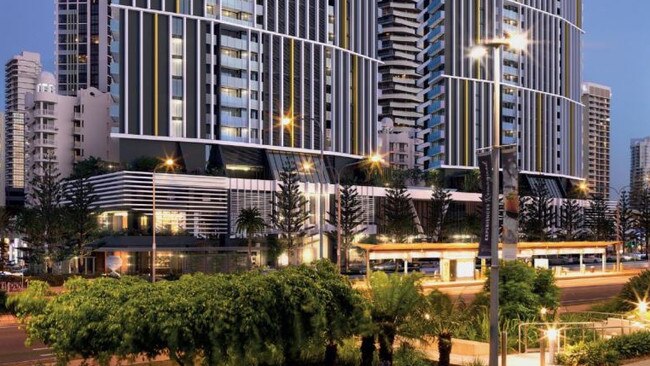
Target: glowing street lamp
[(642, 307)]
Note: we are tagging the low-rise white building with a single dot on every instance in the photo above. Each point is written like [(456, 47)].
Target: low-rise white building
[(63, 130)]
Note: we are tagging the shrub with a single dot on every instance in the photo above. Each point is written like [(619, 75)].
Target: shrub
[(637, 288), (588, 354), (406, 355), (631, 345), (30, 302), (523, 290)]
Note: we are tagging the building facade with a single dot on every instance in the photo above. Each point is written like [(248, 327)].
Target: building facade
[(399, 95), (62, 130), (229, 80), (82, 45), (640, 164), (596, 137), (21, 74), (541, 89)]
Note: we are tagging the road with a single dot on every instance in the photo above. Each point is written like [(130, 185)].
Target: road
[(14, 352), (572, 290)]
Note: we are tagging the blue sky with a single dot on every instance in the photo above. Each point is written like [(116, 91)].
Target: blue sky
[(616, 52)]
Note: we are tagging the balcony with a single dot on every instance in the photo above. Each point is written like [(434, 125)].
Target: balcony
[(45, 127), (435, 106), (237, 43), (78, 116), (228, 120), (238, 5), (234, 62), (234, 82), (44, 142), (236, 102), (43, 112), (77, 144)]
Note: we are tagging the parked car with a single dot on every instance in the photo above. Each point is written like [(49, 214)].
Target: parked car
[(388, 266), (590, 259)]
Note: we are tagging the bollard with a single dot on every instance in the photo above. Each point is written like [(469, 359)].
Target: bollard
[(542, 350), (504, 348)]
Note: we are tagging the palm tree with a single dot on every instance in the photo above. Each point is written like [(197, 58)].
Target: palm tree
[(397, 306), (250, 223), (442, 319)]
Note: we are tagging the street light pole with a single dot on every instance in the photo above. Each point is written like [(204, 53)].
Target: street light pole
[(168, 163), (517, 42), (494, 267)]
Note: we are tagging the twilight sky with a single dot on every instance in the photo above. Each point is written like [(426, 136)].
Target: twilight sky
[(616, 53)]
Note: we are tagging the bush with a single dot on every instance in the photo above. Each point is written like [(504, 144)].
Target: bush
[(637, 288), (254, 318), (30, 302), (588, 354), (406, 355), (523, 291), (631, 345)]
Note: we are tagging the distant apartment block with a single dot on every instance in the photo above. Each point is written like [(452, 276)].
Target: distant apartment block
[(640, 164), (63, 130), (596, 137), (82, 45), (21, 74), (399, 95)]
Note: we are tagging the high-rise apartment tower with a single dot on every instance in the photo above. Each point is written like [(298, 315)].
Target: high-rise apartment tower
[(82, 45), (541, 90), (21, 74), (399, 95), (596, 126), (231, 81)]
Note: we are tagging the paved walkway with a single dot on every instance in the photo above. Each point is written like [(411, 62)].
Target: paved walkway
[(639, 363)]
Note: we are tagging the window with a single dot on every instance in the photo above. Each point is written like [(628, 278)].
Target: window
[(177, 27), (177, 88), (254, 95), (254, 114), (255, 76)]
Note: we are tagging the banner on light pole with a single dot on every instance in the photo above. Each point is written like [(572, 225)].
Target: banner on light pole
[(510, 235), (485, 170)]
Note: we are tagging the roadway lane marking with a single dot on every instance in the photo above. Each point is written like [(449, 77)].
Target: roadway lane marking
[(47, 355), (40, 349)]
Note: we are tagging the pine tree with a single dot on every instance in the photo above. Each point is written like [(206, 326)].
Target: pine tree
[(351, 219), (643, 216), (571, 219), (289, 211), (398, 213), (45, 200), (626, 217), (537, 214), (599, 219), (438, 206), (81, 218)]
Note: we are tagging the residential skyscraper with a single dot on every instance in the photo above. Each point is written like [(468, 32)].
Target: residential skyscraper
[(231, 81), (596, 126), (541, 90), (21, 74), (82, 45), (399, 95), (640, 164)]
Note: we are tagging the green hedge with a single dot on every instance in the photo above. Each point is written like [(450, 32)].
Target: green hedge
[(607, 352), (253, 318)]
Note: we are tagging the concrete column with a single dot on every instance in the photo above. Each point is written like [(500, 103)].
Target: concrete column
[(406, 266), (604, 261)]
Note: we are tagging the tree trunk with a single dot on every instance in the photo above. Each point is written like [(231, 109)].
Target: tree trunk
[(444, 348), (386, 341), (249, 262), (367, 350), (331, 351)]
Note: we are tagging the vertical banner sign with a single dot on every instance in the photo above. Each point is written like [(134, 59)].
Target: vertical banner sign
[(485, 169), (510, 202)]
